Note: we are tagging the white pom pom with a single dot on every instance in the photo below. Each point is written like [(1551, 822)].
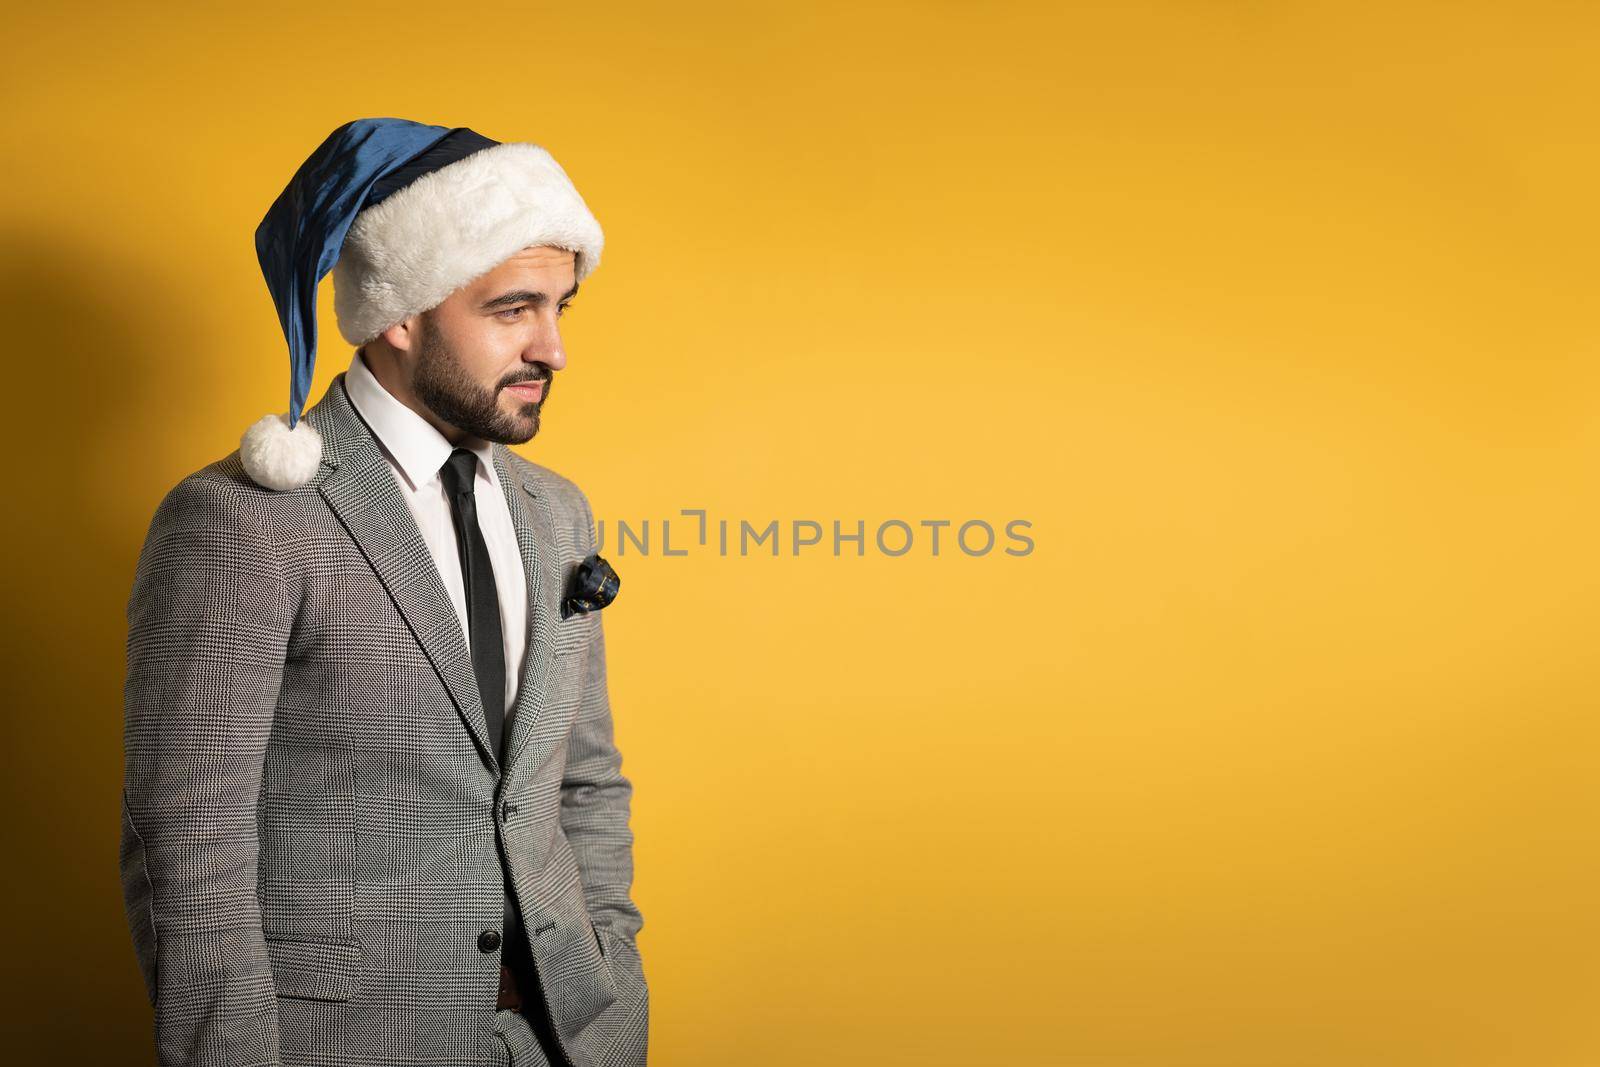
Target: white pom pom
[(278, 457)]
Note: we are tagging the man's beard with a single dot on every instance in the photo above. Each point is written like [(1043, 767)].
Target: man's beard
[(451, 394)]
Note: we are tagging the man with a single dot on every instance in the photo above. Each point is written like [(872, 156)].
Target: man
[(373, 809)]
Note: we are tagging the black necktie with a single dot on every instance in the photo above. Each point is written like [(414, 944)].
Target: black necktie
[(488, 655), (483, 601)]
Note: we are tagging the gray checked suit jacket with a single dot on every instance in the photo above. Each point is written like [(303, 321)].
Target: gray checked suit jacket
[(311, 816)]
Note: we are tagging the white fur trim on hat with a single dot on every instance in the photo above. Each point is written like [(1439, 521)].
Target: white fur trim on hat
[(410, 251), (278, 457)]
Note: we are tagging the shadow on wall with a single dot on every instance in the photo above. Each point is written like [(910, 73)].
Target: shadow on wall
[(100, 426)]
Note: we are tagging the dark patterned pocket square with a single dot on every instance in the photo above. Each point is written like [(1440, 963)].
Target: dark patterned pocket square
[(594, 585)]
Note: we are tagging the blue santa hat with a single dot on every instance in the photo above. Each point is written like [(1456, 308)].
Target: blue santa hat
[(404, 214)]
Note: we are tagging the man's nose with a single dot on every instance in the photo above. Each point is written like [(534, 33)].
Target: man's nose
[(548, 351)]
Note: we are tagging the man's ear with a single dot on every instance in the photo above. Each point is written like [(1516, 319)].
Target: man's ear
[(402, 336)]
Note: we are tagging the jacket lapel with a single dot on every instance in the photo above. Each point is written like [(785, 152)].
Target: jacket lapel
[(531, 516), (362, 492)]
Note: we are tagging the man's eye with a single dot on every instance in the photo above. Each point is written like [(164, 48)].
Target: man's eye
[(512, 311), (561, 308)]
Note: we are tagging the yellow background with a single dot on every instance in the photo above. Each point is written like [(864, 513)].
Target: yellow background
[(1277, 321)]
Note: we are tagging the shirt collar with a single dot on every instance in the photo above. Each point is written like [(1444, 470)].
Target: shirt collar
[(416, 447)]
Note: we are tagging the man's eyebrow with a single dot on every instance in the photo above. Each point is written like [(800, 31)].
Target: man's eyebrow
[(525, 296)]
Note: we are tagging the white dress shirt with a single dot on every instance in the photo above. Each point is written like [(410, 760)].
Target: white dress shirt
[(416, 451)]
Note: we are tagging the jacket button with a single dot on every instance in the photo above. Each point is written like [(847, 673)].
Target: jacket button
[(489, 940)]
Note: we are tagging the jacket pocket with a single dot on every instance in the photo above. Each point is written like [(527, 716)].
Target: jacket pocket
[(314, 970), (570, 956), (574, 634)]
